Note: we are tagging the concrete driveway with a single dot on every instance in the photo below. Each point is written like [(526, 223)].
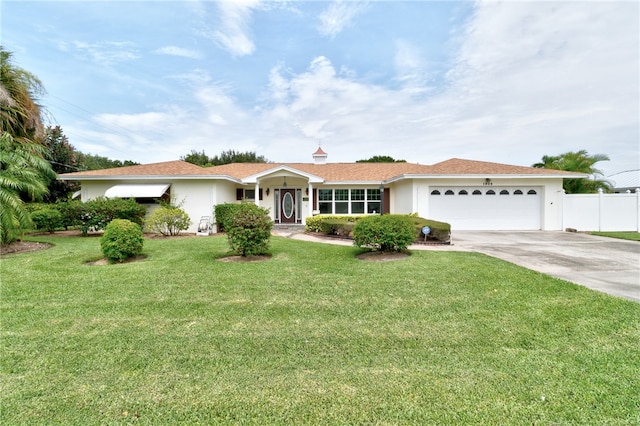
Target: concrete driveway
[(604, 264)]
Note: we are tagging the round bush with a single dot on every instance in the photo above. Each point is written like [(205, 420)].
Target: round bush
[(387, 233), (249, 230), (122, 239), (168, 220)]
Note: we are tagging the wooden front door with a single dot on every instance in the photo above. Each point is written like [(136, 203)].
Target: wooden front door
[(287, 206)]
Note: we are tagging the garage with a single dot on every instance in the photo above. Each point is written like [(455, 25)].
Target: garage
[(487, 207)]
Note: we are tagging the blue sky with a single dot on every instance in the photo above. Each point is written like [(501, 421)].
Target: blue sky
[(422, 81)]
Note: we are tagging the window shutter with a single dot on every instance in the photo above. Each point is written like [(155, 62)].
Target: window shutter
[(315, 199), (239, 194), (260, 194)]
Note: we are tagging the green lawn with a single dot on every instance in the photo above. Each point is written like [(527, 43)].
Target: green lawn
[(633, 236), (311, 336)]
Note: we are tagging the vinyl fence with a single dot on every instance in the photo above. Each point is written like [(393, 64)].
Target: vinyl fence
[(602, 212)]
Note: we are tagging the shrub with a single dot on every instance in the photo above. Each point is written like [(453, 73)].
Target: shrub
[(318, 223), (249, 230), (48, 219), (168, 220), (440, 231), (122, 239), (224, 215), (387, 233)]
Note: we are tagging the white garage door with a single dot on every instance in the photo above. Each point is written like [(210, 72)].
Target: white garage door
[(487, 208)]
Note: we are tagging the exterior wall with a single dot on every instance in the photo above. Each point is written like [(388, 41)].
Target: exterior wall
[(402, 197), (602, 212), (196, 198)]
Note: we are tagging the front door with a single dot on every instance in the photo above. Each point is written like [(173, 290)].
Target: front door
[(287, 206)]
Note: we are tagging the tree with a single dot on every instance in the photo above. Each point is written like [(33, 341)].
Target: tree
[(197, 158), (381, 159), (23, 169), (20, 115), (97, 162), (226, 157), (581, 162), (63, 158)]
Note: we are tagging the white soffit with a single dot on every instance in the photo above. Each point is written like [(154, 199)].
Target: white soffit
[(137, 191)]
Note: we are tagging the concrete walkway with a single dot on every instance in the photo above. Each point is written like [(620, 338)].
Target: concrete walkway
[(604, 264)]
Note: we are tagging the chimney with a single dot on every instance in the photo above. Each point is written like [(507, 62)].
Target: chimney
[(319, 157)]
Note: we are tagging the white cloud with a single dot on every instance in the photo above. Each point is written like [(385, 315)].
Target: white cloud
[(232, 26), (178, 51), (339, 15), (104, 53)]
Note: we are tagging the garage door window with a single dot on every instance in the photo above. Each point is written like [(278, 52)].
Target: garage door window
[(491, 192), (504, 192)]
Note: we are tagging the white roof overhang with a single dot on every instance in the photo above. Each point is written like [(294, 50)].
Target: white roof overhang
[(485, 176), (148, 178), (148, 190), (278, 171)]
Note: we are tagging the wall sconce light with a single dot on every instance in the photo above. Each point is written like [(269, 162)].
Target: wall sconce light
[(284, 182), (306, 191), (267, 191)]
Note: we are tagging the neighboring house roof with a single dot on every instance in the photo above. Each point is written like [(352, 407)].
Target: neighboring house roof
[(330, 172)]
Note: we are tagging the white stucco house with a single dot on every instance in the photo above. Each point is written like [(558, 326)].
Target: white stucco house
[(470, 195)]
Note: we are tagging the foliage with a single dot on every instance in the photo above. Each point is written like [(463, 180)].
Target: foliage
[(386, 233), (22, 168), (343, 225), (250, 230), (381, 159), (440, 231), (310, 337), (72, 211), (316, 223), (63, 159), (121, 240), (168, 220), (226, 157), (224, 214), (581, 162), (20, 114), (97, 162), (48, 219), (97, 213)]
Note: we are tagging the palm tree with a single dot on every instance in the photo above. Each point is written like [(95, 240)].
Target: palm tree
[(23, 169), (581, 162)]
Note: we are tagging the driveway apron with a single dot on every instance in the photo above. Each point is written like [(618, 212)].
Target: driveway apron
[(604, 264)]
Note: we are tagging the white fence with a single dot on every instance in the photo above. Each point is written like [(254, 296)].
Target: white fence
[(602, 212)]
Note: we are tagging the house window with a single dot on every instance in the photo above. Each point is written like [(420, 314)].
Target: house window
[(348, 201), (247, 194)]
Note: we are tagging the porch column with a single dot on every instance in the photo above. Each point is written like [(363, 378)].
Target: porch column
[(310, 213), (257, 196)]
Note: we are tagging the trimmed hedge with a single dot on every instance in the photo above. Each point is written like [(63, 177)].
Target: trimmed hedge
[(122, 239), (387, 233), (343, 226), (47, 219)]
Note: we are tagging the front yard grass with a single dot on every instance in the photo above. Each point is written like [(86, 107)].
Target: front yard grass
[(632, 236), (311, 336)]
